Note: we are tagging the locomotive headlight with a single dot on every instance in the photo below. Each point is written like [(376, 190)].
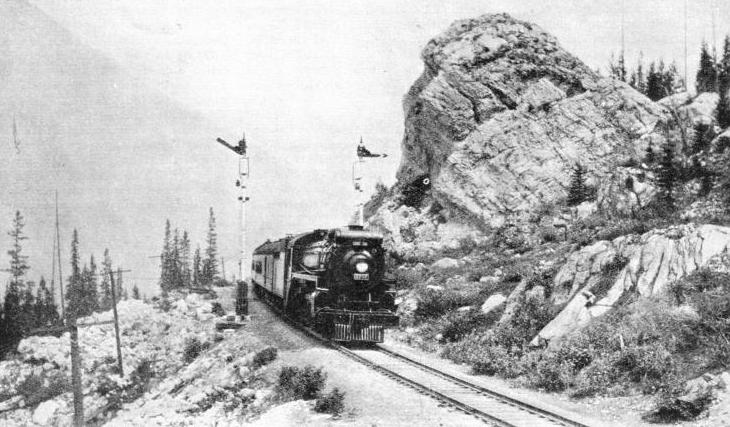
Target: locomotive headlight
[(362, 267)]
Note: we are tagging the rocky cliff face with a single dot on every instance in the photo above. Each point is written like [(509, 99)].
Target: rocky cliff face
[(652, 262), (501, 114)]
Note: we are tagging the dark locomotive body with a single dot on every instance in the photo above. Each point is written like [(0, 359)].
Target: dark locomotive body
[(331, 279)]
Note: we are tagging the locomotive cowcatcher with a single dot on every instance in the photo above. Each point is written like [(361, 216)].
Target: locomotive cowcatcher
[(333, 280)]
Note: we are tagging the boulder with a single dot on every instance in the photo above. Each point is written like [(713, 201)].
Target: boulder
[(653, 261), (494, 301), (502, 113), (445, 263)]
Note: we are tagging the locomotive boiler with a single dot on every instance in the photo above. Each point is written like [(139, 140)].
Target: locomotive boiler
[(333, 280)]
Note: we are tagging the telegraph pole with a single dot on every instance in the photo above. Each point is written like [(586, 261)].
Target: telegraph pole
[(242, 184), (58, 254), (116, 319)]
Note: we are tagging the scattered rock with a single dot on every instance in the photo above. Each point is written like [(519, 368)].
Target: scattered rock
[(445, 263), (494, 301)]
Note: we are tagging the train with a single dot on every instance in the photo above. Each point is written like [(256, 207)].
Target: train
[(332, 280)]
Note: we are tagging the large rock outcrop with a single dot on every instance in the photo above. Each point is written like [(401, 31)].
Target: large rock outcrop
[(501, 114), (652, 262)]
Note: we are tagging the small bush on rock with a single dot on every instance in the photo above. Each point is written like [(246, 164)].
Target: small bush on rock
[(331, 403)]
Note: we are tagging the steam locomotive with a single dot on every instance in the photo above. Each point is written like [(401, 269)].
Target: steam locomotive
[(332, 280)]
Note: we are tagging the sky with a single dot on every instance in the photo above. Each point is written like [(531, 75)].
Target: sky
[(306, 79)]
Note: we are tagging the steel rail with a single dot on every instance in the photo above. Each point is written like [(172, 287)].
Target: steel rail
[(541, 412), (423, 389)]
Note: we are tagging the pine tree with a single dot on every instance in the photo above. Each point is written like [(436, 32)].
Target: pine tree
[(105, 299), (28, 319), (175, 266), (165, 270), (617, 68), (210, 263), (184, 258), (13, 308), (74, 291), (667, 178), (92, 292), (702, 136), (12, 318), (707, 73), (197, 267), (723, 80), (655, 89), (577, 193), (135, 292), (46, 310)]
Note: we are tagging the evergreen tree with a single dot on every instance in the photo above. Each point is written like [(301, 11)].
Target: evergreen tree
[(577, 193), (165, 259), (12, 318), (210, 263), (74, 290), (667, 177), (184, 257), (175, 266), (105, 299), (46, 310), (638, 79), (84, 285), (197, 267), (18, 262), (13, 307), (707, 73), (120, 290), (135, 292), (617, 68), (723, 82), (92, 292), (28, 319)]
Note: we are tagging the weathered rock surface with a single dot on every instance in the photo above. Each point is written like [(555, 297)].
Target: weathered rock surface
[(493, 302), (502, 113), (418, 234), (655, 260)]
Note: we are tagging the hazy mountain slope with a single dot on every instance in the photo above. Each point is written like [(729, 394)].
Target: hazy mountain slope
[(122, 156)]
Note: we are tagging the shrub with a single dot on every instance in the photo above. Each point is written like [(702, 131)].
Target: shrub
[(408, 278), (36, 389), (193, 348), (264, 357), (217, 309), (300, 383), (670, 409), (549, 373), (434, 303), (331, 403), (456, 325)]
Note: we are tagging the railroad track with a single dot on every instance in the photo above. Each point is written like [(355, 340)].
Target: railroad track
[(486, 404)]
